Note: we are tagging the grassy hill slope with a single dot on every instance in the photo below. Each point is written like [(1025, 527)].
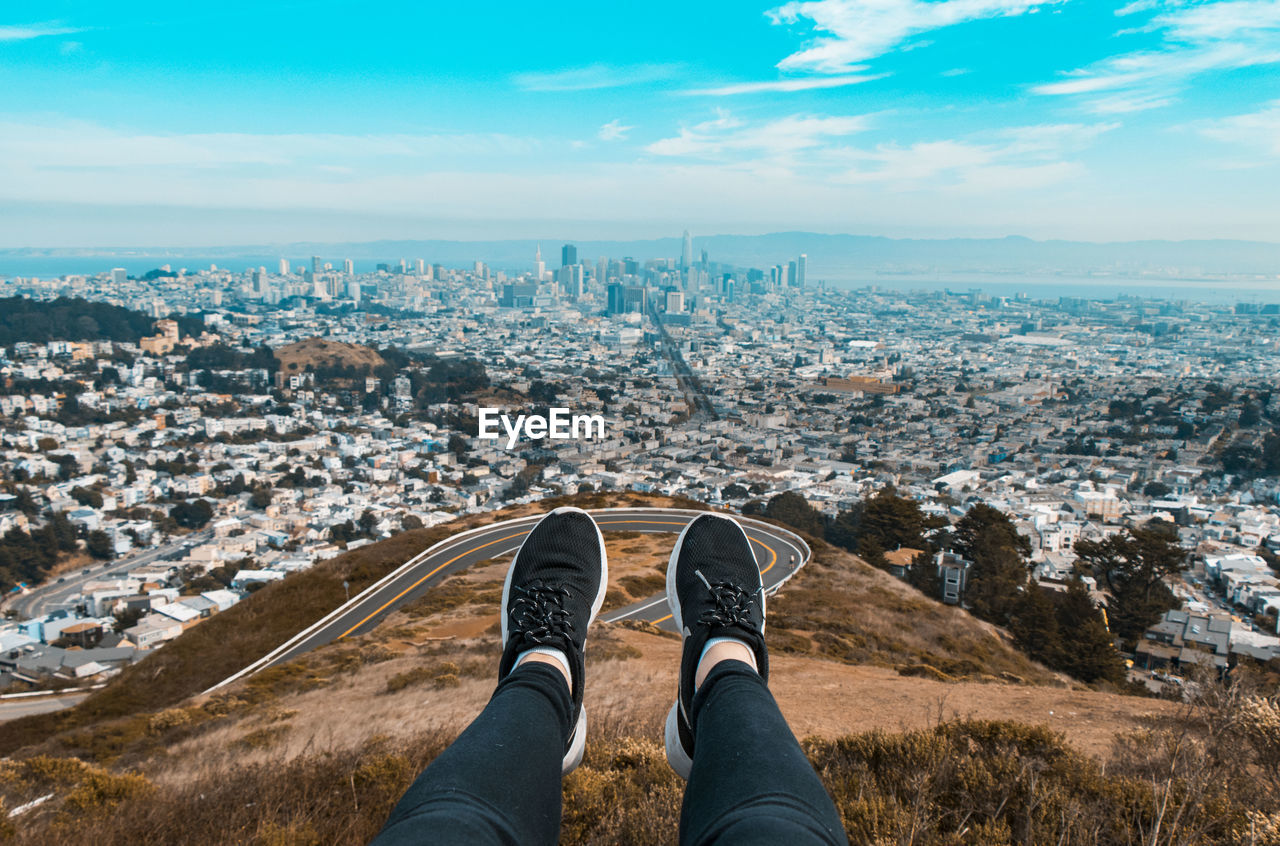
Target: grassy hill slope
[(925, 725)]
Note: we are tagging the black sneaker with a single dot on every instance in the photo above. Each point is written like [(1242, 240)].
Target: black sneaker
[(714, 590), (553, 591)]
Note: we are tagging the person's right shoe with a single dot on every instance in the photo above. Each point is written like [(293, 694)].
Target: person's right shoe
[(715, 590)]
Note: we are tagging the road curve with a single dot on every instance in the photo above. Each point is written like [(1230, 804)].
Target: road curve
[(774, 548)]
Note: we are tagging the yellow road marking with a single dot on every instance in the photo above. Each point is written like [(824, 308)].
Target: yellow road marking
[(383, 607), (393, 599)]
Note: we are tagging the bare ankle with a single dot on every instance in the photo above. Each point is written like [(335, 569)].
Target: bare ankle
[(727, 650)]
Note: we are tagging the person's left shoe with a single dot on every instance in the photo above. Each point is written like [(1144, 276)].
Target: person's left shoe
[(553, 591)]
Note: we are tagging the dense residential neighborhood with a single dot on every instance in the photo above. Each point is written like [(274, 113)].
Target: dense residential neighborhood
[(264, 421)]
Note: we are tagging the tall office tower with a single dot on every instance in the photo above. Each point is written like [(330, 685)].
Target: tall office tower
[(353, 291), (539, 266), (802, 265), (284, 267), (602, 269), (706, 260), (316, 267), (791, 273), (730, 287), (404, 265), (421, 266), (568, 255), (686, 254), (119, 275), (675, 302), (348, 267), (614, 303), (481, 269)]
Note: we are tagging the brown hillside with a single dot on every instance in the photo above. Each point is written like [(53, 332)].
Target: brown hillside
[(318, 750), (319, 352)]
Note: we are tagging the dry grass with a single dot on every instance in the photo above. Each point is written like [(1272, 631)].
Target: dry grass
[(842, 609)]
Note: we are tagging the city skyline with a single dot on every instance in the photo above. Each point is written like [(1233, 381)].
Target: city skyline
[(1071, 120)]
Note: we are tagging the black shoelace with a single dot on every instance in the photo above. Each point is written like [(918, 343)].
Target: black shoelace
[(733, 604), (538, 613)]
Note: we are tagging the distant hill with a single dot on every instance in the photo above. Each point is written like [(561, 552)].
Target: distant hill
[(328, 359)]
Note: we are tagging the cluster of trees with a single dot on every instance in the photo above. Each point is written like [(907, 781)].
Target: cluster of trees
[(76, 319), (347, 531), (192, 515), (28, 557), (1063, 629), (222, 357)]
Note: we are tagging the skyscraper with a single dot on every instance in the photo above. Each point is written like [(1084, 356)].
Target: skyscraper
[(348, 267), (568, 255), (315, 264), (539, 266), (284, 267), (802, 265), (792, 273), (686, 254)]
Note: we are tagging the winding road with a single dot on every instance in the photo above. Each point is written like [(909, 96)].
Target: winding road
[(779, 552)]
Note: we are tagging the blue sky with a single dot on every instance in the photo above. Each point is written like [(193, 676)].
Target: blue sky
[(150, 124)]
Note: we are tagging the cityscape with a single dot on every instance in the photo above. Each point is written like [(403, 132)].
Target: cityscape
[(271, 418)]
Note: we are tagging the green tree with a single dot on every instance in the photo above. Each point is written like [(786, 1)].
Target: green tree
[(987, 537), (1133, 566), (1034, 626), (1091, 655), (791, 508), (261, 496), (99, 545), (192, 515), (895, 521)]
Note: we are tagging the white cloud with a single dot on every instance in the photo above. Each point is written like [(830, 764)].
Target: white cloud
[(858, 30), (594, 76), (1258, 130), (1197, 39), (803, 84), (40, 30), (614, 131), (1013, 159), (77, 146), (1136, 6), (727, 136)]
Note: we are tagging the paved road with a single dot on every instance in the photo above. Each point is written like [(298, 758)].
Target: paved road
[(779, 552), (12, 709), (61, 593)]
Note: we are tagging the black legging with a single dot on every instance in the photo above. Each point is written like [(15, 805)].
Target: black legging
[(499, 782)]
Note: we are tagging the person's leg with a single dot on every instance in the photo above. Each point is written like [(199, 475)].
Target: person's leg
[(749, 781), (499, 782)]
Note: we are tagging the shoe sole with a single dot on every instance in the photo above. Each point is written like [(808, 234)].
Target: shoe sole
[(677, 757), (578, 743)]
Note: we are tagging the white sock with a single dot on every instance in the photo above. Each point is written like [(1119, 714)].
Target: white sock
[(561, 659), (713, 641)]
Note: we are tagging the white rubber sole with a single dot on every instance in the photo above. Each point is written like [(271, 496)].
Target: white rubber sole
[(677, 757), (578, 743)]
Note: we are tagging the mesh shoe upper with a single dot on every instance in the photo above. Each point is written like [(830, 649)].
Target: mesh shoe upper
[(553, 590), (715, 590)]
